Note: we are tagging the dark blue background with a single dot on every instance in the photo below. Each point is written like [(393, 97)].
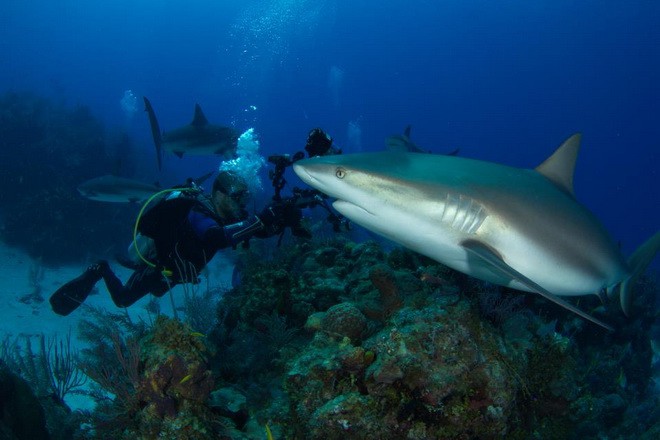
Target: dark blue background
[(505, 81)]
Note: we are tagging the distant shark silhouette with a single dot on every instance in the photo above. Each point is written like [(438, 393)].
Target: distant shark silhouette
[(401, 143), (514, 227), (198, 138), (116, 189)]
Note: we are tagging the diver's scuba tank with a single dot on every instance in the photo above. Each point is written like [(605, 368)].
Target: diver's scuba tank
[(142, 249), (142, 245)]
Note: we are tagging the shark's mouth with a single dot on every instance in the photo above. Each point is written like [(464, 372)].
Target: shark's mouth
[(346, 208), (305, 176)]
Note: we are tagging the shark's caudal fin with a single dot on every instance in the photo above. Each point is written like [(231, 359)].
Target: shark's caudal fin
[(155, 130), (638, 262)]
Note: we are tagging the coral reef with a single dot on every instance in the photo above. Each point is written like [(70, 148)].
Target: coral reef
[(337, 340), (344, 320), (22, 416), (154, 383), (175, 383), (425, 375), (50, 372), (399, 346)]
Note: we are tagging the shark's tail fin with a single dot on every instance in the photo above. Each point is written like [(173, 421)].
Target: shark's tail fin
[(155, 130), (638, 262)]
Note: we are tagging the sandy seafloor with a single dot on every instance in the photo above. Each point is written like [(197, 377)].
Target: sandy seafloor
[(18, 319)]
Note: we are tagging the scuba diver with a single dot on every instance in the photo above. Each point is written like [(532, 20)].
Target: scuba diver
[(319, 143), (177, 237)]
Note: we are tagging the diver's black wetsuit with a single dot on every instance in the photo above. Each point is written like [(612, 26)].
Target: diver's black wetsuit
[(186, 234)]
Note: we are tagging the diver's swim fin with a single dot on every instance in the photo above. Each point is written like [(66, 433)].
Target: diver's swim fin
[(71, 295)]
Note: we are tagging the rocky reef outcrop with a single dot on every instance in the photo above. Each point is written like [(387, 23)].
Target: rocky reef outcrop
[(337, 340)]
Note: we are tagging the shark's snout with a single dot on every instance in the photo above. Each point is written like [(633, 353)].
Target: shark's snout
[(321, 176), (315, 174), (302, 172)]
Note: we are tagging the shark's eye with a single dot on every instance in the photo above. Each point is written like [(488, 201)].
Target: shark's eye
[(340, 173)]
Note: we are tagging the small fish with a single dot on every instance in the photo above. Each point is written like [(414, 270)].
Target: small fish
[(269, 434), (185, 379), (198, 334), (622, 381), (433, 280)]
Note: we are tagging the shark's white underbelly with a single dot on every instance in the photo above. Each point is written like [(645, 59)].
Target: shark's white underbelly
[(439, 236)]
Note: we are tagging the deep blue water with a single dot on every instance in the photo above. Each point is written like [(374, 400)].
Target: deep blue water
[(505, 81)]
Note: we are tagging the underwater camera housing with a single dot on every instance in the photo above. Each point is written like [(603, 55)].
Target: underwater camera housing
[(276, 176), (301, 198)]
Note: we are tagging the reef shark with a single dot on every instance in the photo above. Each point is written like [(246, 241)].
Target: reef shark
[(514, 227), (402, 143), (199, 137), (116, 189)]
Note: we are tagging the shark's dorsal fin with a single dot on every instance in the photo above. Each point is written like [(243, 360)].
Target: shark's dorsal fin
[(199, 120), (560, 166), (496, 263), (406, 132)]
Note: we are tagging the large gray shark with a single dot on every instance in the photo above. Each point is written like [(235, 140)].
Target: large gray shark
[(514, 227), (116, 189), (199, 137)]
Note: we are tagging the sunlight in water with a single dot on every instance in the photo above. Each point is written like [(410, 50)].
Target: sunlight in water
[(264, 31), (129, 104), (354, 136), (335, 81)]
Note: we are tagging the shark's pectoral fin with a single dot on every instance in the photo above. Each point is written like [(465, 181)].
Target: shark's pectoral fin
[(494, 260)]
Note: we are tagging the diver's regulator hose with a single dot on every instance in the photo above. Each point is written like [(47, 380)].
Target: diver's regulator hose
[(166, 272)]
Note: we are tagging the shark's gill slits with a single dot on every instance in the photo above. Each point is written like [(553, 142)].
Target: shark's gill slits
[(449, 209), (478, 216), (463, 214)]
